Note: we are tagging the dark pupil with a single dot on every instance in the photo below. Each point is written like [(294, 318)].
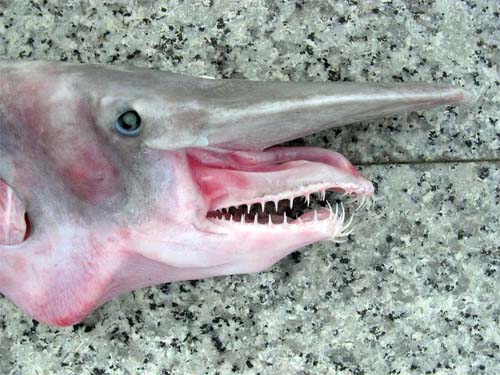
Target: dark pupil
[(130, 121)]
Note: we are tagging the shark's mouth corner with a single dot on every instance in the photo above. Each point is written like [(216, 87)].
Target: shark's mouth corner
[(285, 187)]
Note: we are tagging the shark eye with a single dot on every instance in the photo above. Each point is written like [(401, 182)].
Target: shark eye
[(128, 124)]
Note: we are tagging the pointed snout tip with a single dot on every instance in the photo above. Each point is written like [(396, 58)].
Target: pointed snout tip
[(460, 95)]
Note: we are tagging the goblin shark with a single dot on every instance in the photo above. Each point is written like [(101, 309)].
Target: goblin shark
[(116, 178)]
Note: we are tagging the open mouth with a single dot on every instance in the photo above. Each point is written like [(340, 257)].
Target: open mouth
[(280, 188)]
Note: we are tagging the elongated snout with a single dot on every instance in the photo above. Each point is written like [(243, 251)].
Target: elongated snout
[(250, 115)]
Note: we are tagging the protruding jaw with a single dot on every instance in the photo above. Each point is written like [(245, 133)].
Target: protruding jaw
[(248, 209), (274, 202)]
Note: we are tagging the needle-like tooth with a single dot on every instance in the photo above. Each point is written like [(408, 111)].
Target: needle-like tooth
[(276, 205), (348, 224), (231, 218), (291, 203), (308, 199), (249, 206), (348, 232), (330, 209), (361, 204), (342, 215), (270, 222), (336, 211), (285, 221), (256, 219), (323, 195)]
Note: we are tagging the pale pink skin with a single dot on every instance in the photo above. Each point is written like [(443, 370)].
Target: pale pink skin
[(109, 214)]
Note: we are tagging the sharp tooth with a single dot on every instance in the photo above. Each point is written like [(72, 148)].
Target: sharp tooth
[(256, 219), (243, 219), (249, 206), (330, 209), (348, 224), (349, 232), (231, 218), (276, 205), (291, 203), (285, 221), (308, 199), (361, 204), (270, 222), (323, 195)]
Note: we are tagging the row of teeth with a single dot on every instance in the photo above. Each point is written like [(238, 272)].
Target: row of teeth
[(242, 214), (261, 204), (341, 230), (285, 218)]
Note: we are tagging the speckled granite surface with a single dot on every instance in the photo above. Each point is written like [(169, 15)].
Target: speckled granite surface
[(417, 288)]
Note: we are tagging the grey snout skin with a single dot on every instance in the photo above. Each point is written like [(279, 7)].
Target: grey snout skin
[(250, 115)]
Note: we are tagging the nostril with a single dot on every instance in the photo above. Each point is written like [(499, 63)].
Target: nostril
[(28, 226)]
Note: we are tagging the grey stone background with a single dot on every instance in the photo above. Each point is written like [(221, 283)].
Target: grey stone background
[(415, 291)]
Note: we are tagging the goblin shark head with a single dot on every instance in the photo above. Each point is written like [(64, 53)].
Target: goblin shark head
[(113, 178)]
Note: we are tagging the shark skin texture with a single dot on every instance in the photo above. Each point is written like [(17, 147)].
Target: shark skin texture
[(115, 178)]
